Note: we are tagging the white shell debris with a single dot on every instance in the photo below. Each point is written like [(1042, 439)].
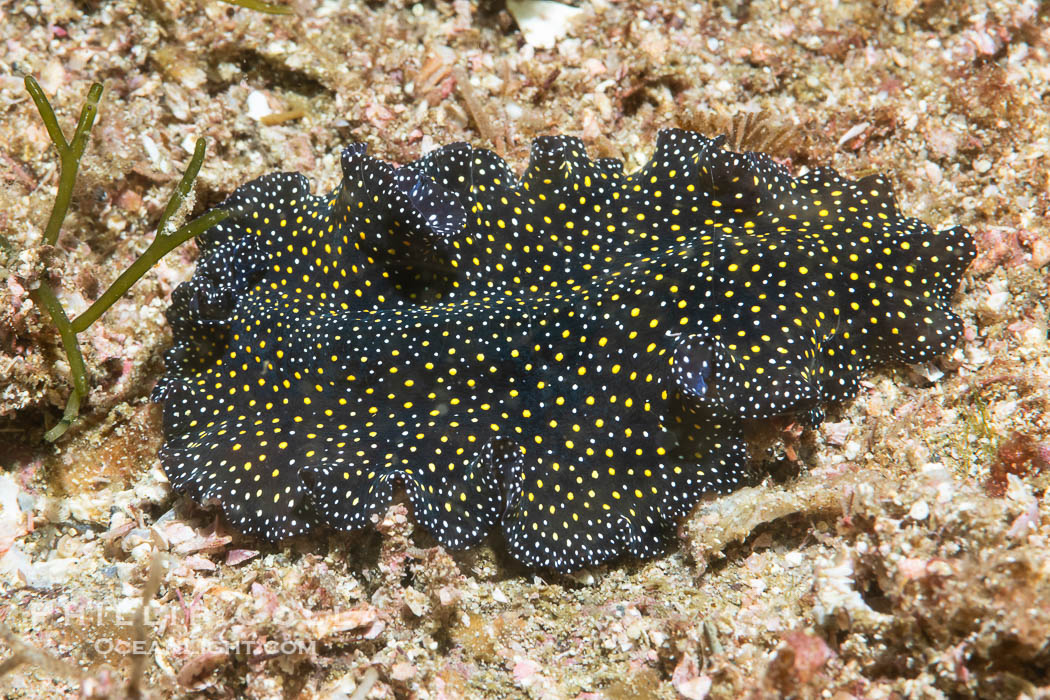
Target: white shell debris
[(853, 133), (258, 106), (542, 22)]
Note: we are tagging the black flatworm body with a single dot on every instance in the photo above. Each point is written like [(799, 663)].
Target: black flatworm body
[(567, 356)]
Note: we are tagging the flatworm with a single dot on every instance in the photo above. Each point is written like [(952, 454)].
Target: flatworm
[(567, 357)]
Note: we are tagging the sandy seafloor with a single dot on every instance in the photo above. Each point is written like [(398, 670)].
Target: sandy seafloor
[(902, 549)]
